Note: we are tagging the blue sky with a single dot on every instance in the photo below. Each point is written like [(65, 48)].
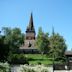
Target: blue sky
[(46, 13)]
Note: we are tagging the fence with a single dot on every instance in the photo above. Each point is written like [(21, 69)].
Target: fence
[(62, 67)]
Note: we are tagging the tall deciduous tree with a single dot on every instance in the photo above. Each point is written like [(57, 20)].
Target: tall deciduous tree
[(58, 45), (13, 37), (42, 41), (3, 49), (10, 41)]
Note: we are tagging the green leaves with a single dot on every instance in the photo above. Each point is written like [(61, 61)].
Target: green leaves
[(4, 67), (42, 41), (53, 45), (13, 37), (10, 41), (57, 44)]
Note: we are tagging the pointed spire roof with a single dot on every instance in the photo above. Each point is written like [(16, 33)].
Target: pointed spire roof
[(53, 31), (30, 27)]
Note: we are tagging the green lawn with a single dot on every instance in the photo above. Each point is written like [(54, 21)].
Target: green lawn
[(38, 58)]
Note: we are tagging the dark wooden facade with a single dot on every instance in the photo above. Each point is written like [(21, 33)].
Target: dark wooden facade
[(30, 35), (30, 31), (68, 55)]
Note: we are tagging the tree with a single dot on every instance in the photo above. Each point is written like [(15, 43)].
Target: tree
[(3, 49), (58, 45), (42, 41), (10, 41), (13, 37)]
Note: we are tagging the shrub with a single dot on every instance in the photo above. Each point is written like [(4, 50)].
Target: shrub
[(4, 67), (17, 59), (39, 63), (26, 69), (36, 68)]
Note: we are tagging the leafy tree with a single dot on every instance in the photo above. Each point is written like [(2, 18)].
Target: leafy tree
[(13, 37), (58, 45), (10, 41), (3, 49), (42, 41)]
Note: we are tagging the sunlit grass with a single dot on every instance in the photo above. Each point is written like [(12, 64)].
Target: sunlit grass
[(38, 58)]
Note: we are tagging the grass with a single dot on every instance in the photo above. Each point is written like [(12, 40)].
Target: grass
[(38, 58)]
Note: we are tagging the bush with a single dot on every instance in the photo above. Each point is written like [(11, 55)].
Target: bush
[(36, 68), (61, 60), (4, 67), (17, 59), (39, 63), (26, 69)]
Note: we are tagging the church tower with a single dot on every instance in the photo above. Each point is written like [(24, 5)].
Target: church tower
[(30, 35), (30, 31)]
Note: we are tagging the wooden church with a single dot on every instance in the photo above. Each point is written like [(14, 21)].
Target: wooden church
[(30, 34), (30, 37)]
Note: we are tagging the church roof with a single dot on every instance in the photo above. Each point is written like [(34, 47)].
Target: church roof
[(68, 53), (30, 27)]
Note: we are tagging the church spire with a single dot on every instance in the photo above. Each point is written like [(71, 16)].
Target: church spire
[(53, 31), (31, 25)]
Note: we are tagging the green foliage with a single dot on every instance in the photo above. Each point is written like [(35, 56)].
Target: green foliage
[(4, 49), (42, 41), (10, 41), (36, 68), (57, 45), (26, 69), (44, 70), (4, 67), (54, 45), (17, 59), (13, 37)]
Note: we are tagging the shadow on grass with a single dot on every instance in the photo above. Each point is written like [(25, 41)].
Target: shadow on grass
[(31, 59)]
